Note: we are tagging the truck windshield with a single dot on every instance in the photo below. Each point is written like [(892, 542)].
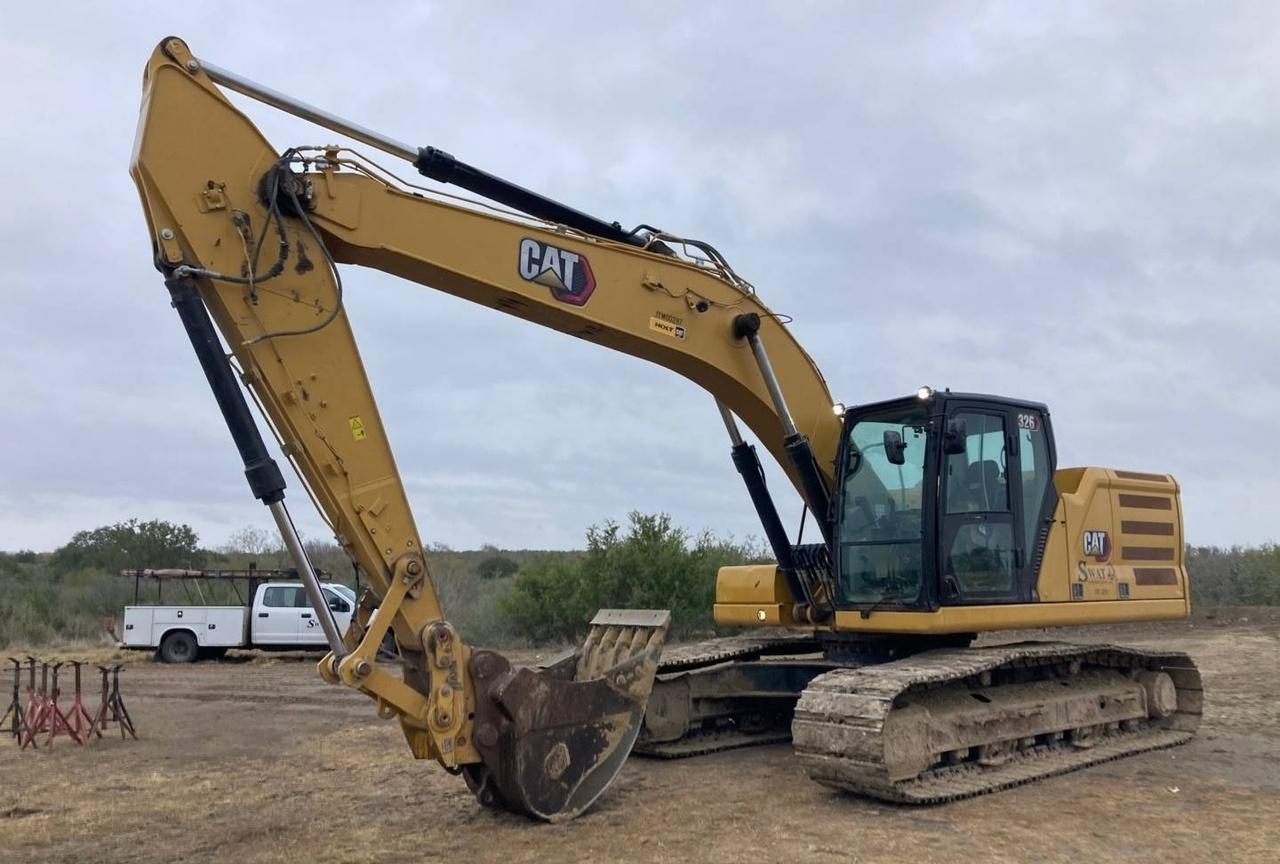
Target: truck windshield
[(881, 526), (345, 592)]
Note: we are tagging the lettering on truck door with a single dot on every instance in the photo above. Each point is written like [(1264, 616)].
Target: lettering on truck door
[(309, 630)]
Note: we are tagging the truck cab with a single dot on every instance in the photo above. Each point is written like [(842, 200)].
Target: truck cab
[(282, 613)]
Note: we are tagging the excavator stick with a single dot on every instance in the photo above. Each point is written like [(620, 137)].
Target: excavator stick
[(551, 740)]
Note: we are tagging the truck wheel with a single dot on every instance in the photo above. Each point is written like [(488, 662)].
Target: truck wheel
[(179, 647)]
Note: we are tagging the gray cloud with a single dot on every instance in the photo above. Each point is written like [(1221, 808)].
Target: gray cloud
[(1075, 204)]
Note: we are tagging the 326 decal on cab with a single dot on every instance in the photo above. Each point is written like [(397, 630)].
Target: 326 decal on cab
[(567, 274)]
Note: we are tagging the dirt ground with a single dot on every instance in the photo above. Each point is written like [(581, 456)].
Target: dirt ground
[(258, 761)]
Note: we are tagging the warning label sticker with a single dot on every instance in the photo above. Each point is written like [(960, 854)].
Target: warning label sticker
[(357, 427)]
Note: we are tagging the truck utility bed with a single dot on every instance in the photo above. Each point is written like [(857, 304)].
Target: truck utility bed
[(213, 626)]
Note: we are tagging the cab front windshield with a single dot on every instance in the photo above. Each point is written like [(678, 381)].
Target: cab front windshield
[(881, 525)]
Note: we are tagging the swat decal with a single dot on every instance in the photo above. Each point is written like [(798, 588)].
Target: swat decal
[(1097, 545), (566, 273), (1095, 572)]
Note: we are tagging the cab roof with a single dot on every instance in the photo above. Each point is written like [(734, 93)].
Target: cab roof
[(948, 396)]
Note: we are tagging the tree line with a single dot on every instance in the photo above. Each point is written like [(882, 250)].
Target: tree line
[(495, 597)]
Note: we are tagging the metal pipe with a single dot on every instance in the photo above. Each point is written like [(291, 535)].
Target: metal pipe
[(434, 163), (310, 580), (748, 464), (298, 108), (771, 382), (262, 472), (799, 451), (730, 424)]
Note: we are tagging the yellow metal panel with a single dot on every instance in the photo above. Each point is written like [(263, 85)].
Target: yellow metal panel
[(753, 595), (973, 619), (749, 615), (1054, 583), (751, 583), (1116, 536)]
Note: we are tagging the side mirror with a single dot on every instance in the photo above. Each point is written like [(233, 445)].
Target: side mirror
[(954, 439), (337, 604), (895, 449)]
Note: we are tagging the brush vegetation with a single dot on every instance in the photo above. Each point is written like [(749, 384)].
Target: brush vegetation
[(495, 597)]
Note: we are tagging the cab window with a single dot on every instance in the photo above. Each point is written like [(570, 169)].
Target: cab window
[(880, 529), (1033, 456), (977, 481), (981, 558), (282, 596), (336, 603), (978, 534)]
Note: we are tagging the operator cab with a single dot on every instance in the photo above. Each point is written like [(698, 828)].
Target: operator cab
[(943, 499)]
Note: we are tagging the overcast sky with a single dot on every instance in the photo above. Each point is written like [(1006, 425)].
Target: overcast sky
[(1074, 204)]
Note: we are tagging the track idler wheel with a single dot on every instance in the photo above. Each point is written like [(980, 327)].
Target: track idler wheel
[(552, 739)]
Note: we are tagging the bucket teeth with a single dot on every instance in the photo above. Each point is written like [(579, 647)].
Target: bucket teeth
[(618, 636), (550, 745)]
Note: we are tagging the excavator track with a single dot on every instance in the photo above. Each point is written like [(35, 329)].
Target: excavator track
[(953, 723)]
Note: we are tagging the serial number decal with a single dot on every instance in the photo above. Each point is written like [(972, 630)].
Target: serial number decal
[(1029, 422), (664, 324)]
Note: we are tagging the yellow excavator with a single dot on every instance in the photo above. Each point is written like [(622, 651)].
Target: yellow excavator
[(938, 517)]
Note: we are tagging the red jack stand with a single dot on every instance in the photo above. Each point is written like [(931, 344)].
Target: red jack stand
[(37, 704), (18, 725), (112, 708), (57, 721), (80, 719)]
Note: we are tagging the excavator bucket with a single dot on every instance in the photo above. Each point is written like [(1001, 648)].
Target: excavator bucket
[(552, 739)]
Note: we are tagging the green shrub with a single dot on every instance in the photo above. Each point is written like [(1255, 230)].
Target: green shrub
[(650, 565), (496, 567)]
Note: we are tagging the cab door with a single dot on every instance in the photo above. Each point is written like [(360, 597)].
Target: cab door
[(1036, 497), (997, 501), (310, 630), (277, 617), (980, 550)]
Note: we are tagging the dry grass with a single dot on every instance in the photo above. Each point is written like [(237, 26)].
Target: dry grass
[(89, 650), (260, 761)]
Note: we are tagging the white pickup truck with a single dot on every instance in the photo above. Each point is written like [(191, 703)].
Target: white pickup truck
[(281, 618)]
